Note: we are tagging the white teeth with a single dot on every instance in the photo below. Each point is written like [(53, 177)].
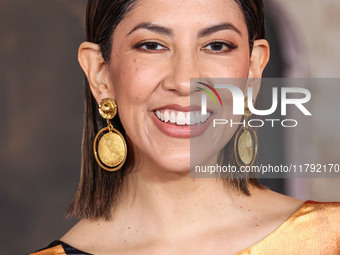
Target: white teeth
[(187, 118), (202, 118), (166, 116), (173, 117), (192, 118), (197, 117), (158, 113), (182, 118)]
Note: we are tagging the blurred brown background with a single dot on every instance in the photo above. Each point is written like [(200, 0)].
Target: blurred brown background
[(41, 106), (41, 119)]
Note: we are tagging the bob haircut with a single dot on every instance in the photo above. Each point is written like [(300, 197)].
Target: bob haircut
[(99, 191)]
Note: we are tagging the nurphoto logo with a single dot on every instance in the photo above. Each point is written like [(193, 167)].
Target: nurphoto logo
[(239, 98)]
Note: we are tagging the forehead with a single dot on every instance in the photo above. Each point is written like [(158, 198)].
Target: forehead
[(186, 13)]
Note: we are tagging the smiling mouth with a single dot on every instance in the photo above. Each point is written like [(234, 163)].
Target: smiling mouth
[(180, 118)]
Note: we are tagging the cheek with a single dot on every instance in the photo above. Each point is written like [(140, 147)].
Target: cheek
[(241, 69), (238, 66), (133, 80), (235, 65)]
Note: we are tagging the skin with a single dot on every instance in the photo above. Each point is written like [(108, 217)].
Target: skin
[(162, 210)]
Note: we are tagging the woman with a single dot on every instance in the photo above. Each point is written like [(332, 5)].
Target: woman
[(142, 54)]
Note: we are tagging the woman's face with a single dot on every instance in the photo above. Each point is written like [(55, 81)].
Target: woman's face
[(156, 49)]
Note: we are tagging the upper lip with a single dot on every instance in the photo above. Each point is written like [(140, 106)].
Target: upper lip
[(181, 108)]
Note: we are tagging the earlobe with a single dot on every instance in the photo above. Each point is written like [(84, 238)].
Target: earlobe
[(95, 69), (259, 58)]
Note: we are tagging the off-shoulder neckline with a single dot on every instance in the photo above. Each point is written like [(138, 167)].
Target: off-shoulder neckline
[(56, 242)]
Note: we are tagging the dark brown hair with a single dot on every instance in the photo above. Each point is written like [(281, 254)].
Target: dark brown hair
[(99, 191)]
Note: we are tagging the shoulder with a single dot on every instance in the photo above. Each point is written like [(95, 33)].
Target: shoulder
[(326, 212), (315, 216), (314, 228), (322, 207)]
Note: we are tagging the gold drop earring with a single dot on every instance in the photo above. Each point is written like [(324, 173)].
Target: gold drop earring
[(245, 144), (109, 145)]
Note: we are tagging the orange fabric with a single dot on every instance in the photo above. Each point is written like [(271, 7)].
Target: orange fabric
[(56, 250), (313, 229)]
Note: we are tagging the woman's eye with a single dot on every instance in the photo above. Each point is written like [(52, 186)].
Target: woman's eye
[(150, 46), (219, 47)]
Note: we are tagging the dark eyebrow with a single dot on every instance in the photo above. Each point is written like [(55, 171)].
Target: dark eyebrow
[(224, 26), (154, 28)]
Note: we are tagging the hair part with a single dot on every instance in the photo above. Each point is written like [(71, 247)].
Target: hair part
[(99, 191)]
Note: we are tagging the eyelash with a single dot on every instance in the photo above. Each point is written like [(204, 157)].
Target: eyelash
[(230, 46), (140, 45)]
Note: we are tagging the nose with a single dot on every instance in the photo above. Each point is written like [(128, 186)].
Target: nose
[(183, 67)]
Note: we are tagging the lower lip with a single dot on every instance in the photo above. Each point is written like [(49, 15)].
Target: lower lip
[(178, 131)]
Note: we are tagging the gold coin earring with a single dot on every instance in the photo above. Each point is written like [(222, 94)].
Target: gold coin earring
[(109, 145), (245, 144)]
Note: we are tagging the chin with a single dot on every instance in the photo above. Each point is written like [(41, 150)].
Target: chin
[(176, 164)]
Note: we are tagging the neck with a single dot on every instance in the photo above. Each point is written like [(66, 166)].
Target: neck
[(171, 201)]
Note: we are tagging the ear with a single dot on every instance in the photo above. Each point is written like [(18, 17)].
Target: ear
[(258, 61), (259, 58), (96, 70)]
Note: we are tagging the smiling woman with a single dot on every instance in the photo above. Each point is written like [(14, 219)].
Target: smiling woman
[(135, 194)]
